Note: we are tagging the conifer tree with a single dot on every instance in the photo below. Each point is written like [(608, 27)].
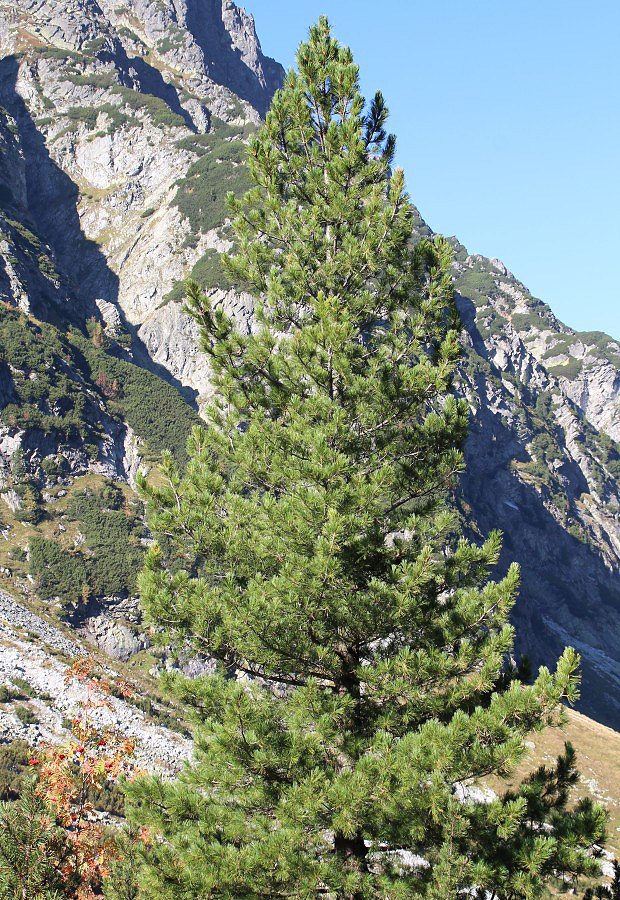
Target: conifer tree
[(362, 645), (33, 850)]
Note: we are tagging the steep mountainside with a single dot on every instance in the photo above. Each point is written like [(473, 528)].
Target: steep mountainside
[(122, 127)]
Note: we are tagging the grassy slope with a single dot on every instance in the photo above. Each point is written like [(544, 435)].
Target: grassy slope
[(598, 760)]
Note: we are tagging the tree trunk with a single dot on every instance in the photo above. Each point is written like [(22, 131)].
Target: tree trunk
[(353, 852)]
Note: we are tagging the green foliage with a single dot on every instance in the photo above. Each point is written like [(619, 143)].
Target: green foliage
[(155, 107), (89, 116), (570, 369), (26, 715), (153, 409), (48, 396), (208, 272), (527, 321), (25, 237), (476, 284), (99, 80), (173, 40), (122, 882), (60, 53), (129, 34), (13, 769), (308, 545), (543, 830), (610, 451), (606, 891), (113, 558), (158, 110), (23, 686), (545, 449), (57, 572), (32, 850), (29, 498), (47, 267), (93, 46), (599, 345), (7, 694), (51, 396), (201, 194), (112, 532), (52, 466)]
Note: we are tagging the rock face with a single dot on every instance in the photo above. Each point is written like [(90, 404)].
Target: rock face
[(106, 107), (543, 466), (122, 127)]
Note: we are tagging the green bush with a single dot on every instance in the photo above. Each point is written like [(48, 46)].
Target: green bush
[(113, 554), (476, 285), (48, 396), (528, 320), (89, 115), (26, 715), (112, 535), (201, 195), (100, 80), (7, 694), (51, 466), (153, 409), (23, 687), (208, 272), (158, 110), (18, 554), (57, 572), (570, 369), (13, 767), (60, 53)]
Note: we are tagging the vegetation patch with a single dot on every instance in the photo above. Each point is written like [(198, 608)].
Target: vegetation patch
[(108, 562), (46, 393), (208, 272), (527, 321), (219, 169), (151, 407), (570, 369), (89, 116), (477, 285)]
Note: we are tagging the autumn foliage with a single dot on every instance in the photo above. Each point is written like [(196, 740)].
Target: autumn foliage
[(68, 779)]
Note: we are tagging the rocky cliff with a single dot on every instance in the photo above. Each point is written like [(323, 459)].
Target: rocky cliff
[(122, 127)]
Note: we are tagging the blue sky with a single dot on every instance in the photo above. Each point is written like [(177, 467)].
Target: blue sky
[(507, 116)]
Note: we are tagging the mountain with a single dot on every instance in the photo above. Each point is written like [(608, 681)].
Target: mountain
[(123, 126)]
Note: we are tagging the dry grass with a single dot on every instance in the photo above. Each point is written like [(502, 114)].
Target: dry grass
[(598, 760)]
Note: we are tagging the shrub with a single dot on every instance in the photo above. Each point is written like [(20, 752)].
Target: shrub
[(13, 766), (112, 533), (7, 694), (26, 715), (151, 407), (114, 555), (53, 400), (208, 272), (56, 572), (23, 687), (201, 195)]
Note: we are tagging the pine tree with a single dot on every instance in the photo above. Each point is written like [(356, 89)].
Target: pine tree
[(606, 891), (308, 547), (33, 850)]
